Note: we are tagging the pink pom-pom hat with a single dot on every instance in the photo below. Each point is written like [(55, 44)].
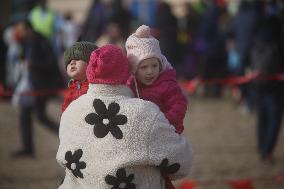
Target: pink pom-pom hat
[(142, 45)]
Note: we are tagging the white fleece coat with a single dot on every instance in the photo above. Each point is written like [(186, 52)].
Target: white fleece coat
[(110, 140)]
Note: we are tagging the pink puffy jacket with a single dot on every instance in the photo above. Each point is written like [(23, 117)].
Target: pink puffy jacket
[(166, 93)]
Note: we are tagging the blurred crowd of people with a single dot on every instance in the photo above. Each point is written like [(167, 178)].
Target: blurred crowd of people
[(214, 39)]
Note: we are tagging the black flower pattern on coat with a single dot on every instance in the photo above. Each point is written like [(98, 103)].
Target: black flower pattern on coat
[(168, 169), (121, 181), (106, 120), (74, 164)]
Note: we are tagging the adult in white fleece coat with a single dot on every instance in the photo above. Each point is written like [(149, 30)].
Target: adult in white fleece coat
[(110, 140)]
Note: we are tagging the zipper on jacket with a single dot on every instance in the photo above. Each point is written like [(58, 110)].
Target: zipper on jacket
[(78, 85)]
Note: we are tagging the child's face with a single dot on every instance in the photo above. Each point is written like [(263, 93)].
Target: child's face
[(148, 71), (77, 70)]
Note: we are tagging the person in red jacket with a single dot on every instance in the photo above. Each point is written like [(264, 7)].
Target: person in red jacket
[(76, 59), (154, 79)]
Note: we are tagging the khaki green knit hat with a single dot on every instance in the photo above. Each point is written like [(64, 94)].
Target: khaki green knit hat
[(79, 51)]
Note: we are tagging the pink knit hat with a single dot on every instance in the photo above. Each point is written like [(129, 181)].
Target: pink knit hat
[(142, 45), (108, 65)]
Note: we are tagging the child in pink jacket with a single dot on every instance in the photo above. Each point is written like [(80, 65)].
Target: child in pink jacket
[(154, 79)]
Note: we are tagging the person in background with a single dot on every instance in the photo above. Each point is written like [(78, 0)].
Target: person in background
[(100, 15), (144, 11), (109, 139), (49, 24), (13, 57), (41, 74), (244, 25), (267, 60), (166, 31), (76, 59), (154, 79), (112, 35), (42, 19), (210, 48), (95, 22), (69, 32), (3, 59)]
